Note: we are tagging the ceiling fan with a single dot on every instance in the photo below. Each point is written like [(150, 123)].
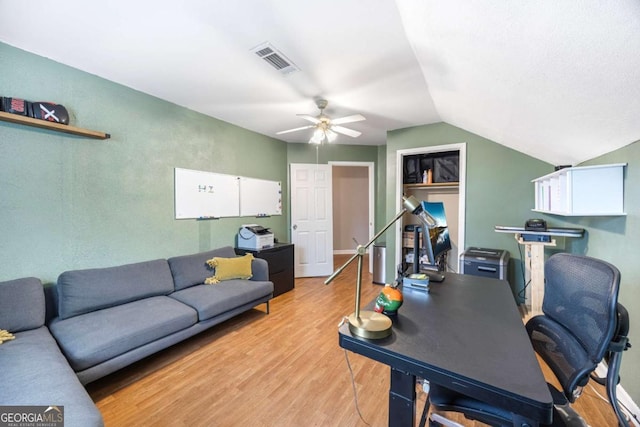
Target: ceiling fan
[(327, 129)]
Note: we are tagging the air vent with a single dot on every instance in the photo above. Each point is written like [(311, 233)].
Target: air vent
[(274, 58)]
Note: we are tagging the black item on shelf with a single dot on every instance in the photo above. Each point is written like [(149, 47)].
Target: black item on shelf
[(49, 111), (446, 167), (535, 224), (411, 170), (426, 163), (15, 106)]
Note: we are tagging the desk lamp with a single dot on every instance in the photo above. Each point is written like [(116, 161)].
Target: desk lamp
[(367, 323)]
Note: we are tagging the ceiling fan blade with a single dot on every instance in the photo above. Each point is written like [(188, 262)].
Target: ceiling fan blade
[(348, 119), (312, 119), (346, 131), (294, 130)]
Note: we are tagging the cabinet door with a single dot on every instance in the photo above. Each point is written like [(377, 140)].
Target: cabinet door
[(279, 259)]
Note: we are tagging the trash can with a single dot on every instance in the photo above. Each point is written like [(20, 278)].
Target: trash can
[(379, 257)]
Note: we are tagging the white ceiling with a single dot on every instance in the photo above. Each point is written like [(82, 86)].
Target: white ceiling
[(559, 81)]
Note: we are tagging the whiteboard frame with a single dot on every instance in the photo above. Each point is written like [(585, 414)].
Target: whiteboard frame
[(210, 195)]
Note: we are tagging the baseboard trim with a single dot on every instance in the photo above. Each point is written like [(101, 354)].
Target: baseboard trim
[(344, 252), (629, 404)]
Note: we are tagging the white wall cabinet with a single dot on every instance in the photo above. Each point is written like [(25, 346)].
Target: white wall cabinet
[(582, 191)]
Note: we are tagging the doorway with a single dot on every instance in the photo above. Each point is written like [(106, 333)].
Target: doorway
[(353, 206), (454, 200)]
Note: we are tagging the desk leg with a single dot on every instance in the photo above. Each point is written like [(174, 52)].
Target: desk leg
[(402, 399)]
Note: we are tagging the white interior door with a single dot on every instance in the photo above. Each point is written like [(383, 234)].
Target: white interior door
[(312, 219)]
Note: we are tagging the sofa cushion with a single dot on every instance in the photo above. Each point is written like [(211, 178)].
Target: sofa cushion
[(92, 338), (34, 372), (83, 291), (191, 270), (22, 305), (212, 300)]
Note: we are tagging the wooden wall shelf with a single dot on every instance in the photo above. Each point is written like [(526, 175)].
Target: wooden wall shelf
[(43, 124), (434, 185)]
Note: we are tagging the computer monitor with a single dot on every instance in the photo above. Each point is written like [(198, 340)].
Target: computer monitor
[(435, 242)]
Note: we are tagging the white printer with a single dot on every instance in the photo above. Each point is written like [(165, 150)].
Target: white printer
[(254, 237)]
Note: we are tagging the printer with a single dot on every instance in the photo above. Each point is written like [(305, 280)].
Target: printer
[(254, 237)]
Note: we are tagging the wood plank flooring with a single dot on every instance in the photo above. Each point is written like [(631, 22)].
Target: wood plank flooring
[(280, 369)]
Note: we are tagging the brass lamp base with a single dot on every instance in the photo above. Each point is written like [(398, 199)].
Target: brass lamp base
[(370, 324)]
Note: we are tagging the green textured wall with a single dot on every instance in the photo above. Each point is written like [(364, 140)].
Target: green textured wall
[(381, 188), (68, 202), (500, 192), (498, 186), (307, 153), (615, 239)]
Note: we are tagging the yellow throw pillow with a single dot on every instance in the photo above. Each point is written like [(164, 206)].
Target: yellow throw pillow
[(230, 268), (5, 336)]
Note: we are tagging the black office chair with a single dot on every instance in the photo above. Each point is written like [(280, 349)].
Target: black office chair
[(582, 324)]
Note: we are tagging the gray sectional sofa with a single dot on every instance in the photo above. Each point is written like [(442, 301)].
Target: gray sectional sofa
[(34, 370), (108, 318)]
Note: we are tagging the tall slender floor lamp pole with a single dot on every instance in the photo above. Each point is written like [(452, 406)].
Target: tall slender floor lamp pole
[(366, 323)]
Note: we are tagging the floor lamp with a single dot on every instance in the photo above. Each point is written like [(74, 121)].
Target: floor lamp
[(367, 323)]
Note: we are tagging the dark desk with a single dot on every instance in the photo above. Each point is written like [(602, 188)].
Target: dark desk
[(465, 334)]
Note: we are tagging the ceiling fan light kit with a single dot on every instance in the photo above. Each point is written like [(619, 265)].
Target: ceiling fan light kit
[(322, 134), (326, 129)]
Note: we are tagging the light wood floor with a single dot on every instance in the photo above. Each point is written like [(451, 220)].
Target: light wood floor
[(280, 369)]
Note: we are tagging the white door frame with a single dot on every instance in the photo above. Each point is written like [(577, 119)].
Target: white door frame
[(372, 202), (462, 171)]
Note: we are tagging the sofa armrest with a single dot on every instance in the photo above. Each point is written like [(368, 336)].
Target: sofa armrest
[(259, 269)]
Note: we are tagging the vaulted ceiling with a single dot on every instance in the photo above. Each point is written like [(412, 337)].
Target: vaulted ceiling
[(559, 81)]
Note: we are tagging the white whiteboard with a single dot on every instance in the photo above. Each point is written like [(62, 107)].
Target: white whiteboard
[(204, 195), (260, 197)]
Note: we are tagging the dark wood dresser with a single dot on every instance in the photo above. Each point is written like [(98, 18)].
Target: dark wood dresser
[(280, 259)]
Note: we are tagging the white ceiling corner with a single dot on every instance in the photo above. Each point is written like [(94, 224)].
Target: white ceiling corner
[(555, 80)]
